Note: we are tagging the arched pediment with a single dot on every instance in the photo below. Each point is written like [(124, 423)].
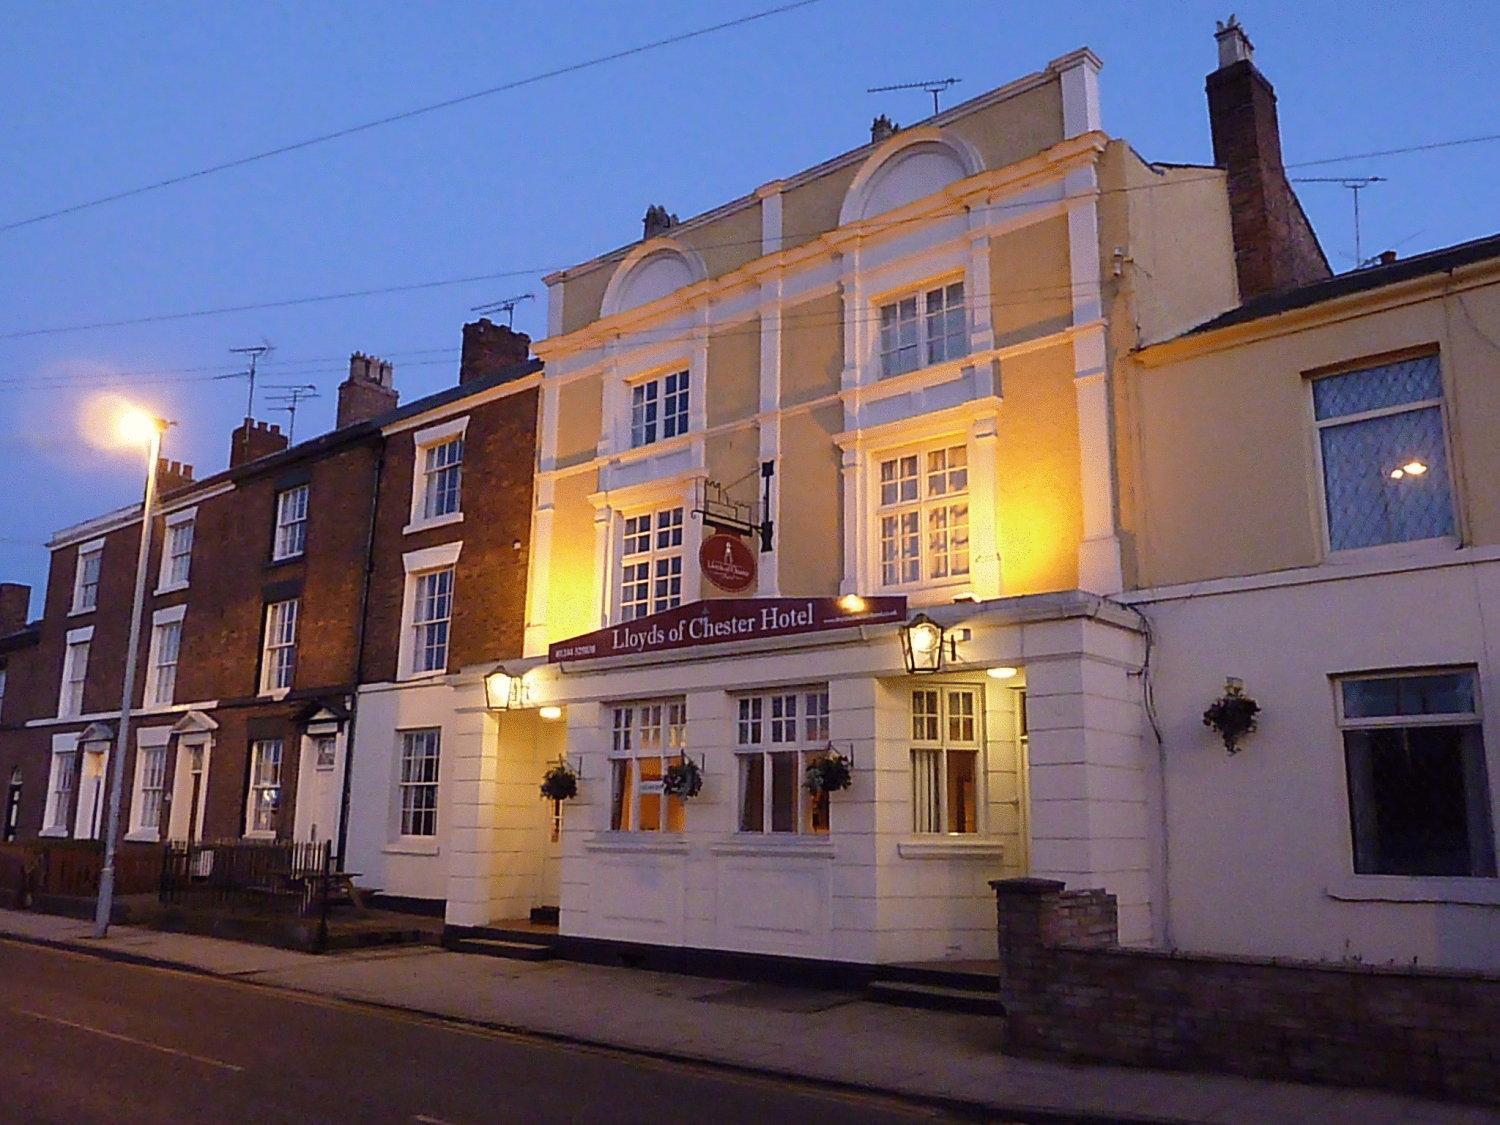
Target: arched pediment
[(650, 272), (911, 165)]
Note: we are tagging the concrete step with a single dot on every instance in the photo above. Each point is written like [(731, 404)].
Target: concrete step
[(498, 947), (938, 997)]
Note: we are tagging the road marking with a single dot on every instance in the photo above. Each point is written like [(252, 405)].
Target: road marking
[(430, 1120), (129, 1039)]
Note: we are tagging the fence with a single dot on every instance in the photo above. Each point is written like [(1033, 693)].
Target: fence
[(71, 868), (270, 876)]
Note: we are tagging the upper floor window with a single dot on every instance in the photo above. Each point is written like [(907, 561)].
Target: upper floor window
[(279, 652), (1384, 454), (774, 737), (432, 611), (1419, 798), (923, 328), (947, 736), (645, 739), (177, 554), (161, 671), (651, 563), (75, 672), (923, 515), (291, 522), (658, 409), (442, 478), (86, 579), (418, 785)]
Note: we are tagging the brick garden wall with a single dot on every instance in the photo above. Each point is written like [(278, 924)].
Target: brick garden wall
[(1070, 992)]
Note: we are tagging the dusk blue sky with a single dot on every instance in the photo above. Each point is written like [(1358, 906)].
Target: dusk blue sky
[(99, 98)]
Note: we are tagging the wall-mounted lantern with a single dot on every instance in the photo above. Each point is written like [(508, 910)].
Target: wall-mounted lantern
[(922, 645), (504, 692)]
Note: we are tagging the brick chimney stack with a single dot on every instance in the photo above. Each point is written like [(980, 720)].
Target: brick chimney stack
[(368, 392), (15, 600), (1275, 247), (253, 440), (489, 348), (172, 475)]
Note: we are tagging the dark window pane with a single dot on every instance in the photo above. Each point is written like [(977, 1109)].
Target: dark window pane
[(784, 782), (1445, 693), (1418, 801)]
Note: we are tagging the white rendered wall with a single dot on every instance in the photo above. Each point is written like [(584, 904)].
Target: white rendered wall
[(1259, 847)]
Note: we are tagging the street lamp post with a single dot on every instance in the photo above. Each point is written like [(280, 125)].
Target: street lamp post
[(134, 426)]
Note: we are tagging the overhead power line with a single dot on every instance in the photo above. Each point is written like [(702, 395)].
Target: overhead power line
[(406, 115)]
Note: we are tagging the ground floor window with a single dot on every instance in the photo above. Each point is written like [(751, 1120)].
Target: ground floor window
[(947, 732), (152, 775), (60, 796), (419, 782), (775, 734), (646, 738), (1419, 796), (265, 785)]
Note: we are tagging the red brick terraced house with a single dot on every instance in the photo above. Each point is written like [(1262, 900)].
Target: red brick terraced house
[(273, 586)]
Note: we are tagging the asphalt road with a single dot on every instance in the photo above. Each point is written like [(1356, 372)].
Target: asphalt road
[(87, 1040)]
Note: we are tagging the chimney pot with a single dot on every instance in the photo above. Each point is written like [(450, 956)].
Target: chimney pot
[(882, 128), (658, 220), (1234, 44), (1387, 257)]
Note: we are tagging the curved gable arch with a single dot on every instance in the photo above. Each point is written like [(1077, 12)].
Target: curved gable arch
[(912, 164), (650, 272)]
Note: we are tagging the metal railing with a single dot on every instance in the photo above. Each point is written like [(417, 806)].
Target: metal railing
[(272, 876)]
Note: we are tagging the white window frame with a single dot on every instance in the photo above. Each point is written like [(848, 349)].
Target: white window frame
[(179, 525), (289, 536), (278, 637), (664, 561), (86, 593), (264, 782), (786, 720), (423, 441), (659, 407), (408, 787), (151, 784), (163, 621), (924, 505), (416, 564), (66, 762), (645, 731), (1325, 522), (428, 656), (75, 673), (1482, 848), (945, 742), (934, 339)]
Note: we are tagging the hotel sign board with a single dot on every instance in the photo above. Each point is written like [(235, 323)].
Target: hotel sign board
[(721, 620)]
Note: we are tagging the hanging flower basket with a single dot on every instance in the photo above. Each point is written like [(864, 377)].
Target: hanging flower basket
[(829, 772), (1232, 715), (683, 779), (560, 783)]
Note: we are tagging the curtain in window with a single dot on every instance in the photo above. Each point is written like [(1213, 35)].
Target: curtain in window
[(926, 784)]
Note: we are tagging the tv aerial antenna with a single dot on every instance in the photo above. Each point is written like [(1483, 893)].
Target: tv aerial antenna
[(291, 396), (507, 305), (934, 87), (1355, 184), (254, 352)]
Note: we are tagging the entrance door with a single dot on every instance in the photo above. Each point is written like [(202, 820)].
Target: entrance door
[(550, 891), (12, 805), (86, 825), (189, 781)]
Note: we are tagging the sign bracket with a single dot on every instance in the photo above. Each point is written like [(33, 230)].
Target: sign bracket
[(722, 513)]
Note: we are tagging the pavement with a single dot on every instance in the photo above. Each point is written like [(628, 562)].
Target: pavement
[(839, 1041)]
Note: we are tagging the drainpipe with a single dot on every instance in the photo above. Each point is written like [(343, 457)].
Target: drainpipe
[(359, 656)]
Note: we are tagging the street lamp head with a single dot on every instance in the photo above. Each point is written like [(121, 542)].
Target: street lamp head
[(134, 426)]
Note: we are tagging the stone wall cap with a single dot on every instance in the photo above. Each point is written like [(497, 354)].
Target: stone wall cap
[(1027, 886)]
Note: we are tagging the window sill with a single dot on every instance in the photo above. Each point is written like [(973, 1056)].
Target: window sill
[(283, 559), (142, 836), (780, 845), (422, 677), (654, 448), (436, 521), (901, 382), (54, 833), (263, 834), (413, 845), (275, 695), (1439, 889), (949, 847), (1439, 547), (79, 611), (630, 843), (171, 588)]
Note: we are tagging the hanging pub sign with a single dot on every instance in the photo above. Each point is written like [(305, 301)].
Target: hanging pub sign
[(720, 620), (728, 562)]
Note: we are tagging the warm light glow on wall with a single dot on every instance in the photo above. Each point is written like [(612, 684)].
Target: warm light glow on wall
[(1003, 672), (550, 712), (852, 603)]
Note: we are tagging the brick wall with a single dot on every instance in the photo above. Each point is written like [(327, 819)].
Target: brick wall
[(1070, 992)]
